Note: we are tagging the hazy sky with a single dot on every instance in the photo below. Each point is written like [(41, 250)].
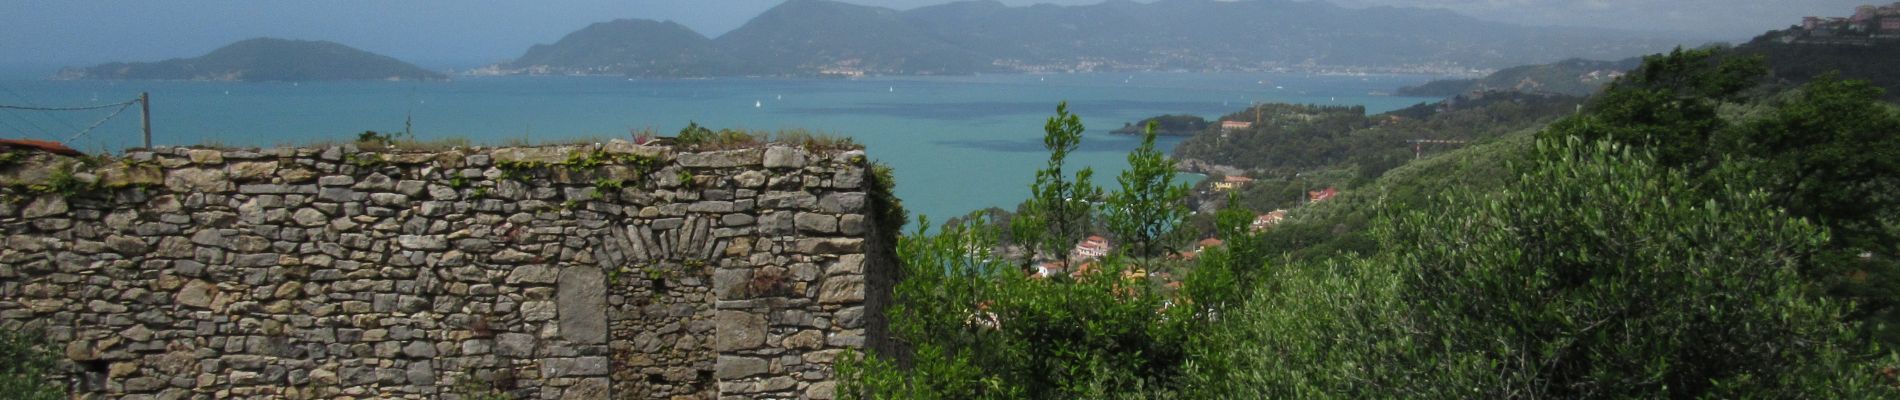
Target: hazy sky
[(457, 33)]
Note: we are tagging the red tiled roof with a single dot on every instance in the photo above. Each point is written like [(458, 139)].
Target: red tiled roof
[(41, 145)]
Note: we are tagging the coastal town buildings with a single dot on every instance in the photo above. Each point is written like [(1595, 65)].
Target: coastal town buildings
[(1231, 182)]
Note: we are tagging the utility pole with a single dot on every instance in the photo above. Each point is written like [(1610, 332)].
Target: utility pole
[(145, 114)]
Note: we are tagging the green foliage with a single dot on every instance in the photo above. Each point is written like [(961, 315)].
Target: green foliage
[(363, 160), (1826, 152), (1059, 209), (977, 329), (9, 158), (1291, 146), (1669, 106), (376, 138), (473, 387), (815, 141), (695, 136), (882, 187), (1148, 214), (1589, 277), (603, 186), (29, 360), (686, 178), (63, 179), (1876, 61), (1166, 125), (1572, 77), (1830, 153)]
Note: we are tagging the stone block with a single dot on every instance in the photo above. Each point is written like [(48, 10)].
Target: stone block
[(587, 389), (197, 293), (582, 299), (735, 367), (738, 330), (730, 283), (842, 289), (721, 159), (816, 223), (784, 157), (576, 366), (534, 274), (538, 311), (514, 345)]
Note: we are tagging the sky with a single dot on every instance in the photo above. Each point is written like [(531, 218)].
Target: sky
[(467, 33)]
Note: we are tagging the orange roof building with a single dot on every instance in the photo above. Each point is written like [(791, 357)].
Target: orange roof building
[(1093, 248), (1321, 195), (1268, 220)]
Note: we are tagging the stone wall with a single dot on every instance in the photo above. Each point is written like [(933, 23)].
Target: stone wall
[(603, 271)]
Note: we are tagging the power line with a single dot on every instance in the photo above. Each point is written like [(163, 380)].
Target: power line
[(29, 122), (42, 131), (3, 123), (25, 100), (125, 103), (102, 121)]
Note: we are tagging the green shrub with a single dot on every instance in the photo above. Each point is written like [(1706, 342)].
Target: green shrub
[(1591, 276), (28, 360)]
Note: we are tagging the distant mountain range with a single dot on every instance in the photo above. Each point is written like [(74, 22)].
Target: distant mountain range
[(264, 59), (822, 37)]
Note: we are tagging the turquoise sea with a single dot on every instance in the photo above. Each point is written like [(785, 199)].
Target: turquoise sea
[(958, 144)]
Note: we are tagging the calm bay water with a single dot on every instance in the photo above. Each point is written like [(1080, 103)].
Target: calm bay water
[(957, 143)]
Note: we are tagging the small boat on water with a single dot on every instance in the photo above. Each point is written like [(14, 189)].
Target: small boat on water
[(757, 104)]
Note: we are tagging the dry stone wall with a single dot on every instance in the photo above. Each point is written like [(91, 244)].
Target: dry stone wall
[(576, 272)]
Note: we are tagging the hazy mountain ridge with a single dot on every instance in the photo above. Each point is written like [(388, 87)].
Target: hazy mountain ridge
[(264, 59), (823, 37)]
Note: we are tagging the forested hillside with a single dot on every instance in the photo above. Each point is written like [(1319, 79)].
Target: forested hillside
[(1687, 233)]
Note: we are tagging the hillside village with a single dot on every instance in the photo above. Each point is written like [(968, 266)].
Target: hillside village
[(1869, 22)]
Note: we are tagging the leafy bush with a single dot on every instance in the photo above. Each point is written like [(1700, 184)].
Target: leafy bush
[(1591, 276), (28, 360)]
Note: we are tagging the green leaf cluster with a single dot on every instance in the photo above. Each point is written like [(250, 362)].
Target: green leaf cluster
[(29, 361)]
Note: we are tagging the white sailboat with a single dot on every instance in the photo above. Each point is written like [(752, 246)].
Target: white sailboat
[(757, 104)]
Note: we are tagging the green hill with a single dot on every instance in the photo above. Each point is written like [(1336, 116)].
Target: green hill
[(1794, 61), (803, 37), (627, 47), (265, 59), (1573, 77)]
